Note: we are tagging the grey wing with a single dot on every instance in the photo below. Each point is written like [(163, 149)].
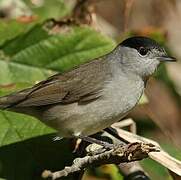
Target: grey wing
[(78, 85), (42, 93)]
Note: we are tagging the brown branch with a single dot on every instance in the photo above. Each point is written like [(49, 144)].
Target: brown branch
[(161, 157), (82, 14), (119, 154)]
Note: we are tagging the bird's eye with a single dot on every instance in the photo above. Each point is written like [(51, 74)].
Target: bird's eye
[(143, 51)]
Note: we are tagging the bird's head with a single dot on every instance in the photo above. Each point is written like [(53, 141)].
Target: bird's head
[(142, 55)]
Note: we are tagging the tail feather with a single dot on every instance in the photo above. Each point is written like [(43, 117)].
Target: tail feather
[(11, 100), (3, 102)]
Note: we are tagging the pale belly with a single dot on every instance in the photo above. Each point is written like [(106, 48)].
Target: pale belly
[(73, 119), (115, 102)]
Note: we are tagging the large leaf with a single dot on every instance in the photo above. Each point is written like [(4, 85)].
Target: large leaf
[(17, 127), (62, 52), (10, 29), (35, 55)]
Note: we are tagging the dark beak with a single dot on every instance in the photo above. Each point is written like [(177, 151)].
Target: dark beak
[(166, 59)]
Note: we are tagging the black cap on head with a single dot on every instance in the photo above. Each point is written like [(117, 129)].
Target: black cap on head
[(144, 44), (138, 41)]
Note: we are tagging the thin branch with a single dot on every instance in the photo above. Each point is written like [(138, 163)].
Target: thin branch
[(119, 154), (161, 157), (82, 14)]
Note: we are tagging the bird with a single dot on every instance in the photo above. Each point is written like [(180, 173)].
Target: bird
[(92, 96)]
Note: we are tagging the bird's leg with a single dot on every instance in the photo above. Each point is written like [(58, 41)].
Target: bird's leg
[(106, 145), (128, 122), (78, 141)]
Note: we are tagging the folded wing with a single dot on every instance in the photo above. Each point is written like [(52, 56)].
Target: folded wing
[(82, 84)]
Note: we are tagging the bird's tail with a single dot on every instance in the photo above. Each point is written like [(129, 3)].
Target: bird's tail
[(4, 102), (11, 100)]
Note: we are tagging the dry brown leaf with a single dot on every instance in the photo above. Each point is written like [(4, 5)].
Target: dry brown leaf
[(27, 19)]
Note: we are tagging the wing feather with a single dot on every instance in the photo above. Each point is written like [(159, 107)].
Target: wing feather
[(82, 84)]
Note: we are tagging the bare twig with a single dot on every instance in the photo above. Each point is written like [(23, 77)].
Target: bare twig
[(120, 154), (82, 14), (161, 157)]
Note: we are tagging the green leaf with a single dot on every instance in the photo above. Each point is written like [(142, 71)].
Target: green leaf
[(24, 40), (11, 72), (62, 52), (10, 29), (17, 127), (38, 54), (49, 9), (35, 55)]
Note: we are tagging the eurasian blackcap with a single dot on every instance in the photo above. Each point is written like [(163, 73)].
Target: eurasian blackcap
[(94, 95)]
